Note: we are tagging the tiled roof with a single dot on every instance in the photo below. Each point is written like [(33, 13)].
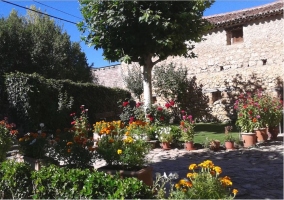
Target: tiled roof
[(241, 16)]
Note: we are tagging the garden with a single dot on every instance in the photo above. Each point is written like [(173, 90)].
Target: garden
[(59, 163)]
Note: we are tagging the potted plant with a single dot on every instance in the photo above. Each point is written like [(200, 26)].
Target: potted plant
[(123, 151), (187, 131), (273, 114), (74, 146), (248, 118), (165, 136), (7, 135), (229, 139)]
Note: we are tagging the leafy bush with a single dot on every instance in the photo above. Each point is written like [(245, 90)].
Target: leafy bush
[(172, 82), (74, 146), (54, 182), (15, 180), (7, 134), (34, 99)]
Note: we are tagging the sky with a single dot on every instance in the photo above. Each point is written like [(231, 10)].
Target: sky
[(70, 10)]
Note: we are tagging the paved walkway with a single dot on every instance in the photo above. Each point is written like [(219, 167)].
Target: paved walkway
[(257, 173)]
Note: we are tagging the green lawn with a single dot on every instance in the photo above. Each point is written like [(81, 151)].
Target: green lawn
[(212, 131)]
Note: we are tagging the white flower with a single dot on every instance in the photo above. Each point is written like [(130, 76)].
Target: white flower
[(41, 125), (165, 175), (39, 132)]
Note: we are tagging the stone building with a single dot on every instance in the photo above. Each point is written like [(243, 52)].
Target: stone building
[(244, 50)]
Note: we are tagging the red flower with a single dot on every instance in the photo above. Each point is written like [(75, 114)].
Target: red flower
[(162, 118), (138, 104), (167, 105), (73, 122), (131, 119), (172, 102), (159, 108), (250, 112), (151, 118), (125, 103)]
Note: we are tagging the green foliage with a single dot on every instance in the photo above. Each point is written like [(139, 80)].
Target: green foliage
[(74, 146), (134, 80), (156, 28), (121, 146), (171, 82), (204, 182), (187, 126), (15, 180), (7, 135), (34, 43), (34, 99), (53, 183), (158, 116)]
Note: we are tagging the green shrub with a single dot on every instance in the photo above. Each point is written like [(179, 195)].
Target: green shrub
[(15, 180), (63, 183), (34, 100)]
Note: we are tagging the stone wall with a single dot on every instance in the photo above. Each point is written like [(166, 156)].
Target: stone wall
[(220, 67)]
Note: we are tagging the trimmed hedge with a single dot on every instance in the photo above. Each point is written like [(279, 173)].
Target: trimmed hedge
[(34, 99), (53, 182)]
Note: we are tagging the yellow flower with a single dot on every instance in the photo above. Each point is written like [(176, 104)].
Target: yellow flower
[(226, 181), (21, 139), (235, 191), (192, 166), (218, 169), (177, 186), (127, 133), (189, 175), (119, 151)]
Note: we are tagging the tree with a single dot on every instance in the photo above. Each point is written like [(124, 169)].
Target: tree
[(146, 32), (34, 43), (134, 81), (171, 82)]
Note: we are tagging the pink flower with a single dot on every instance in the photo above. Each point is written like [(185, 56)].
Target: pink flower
[(182, 112), (189, 117), (73, 122), (184, 117)]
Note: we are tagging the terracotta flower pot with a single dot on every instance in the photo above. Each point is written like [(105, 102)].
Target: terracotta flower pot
[(261, 134), (145, 174), (166, 145), (229, 145), (249, 139), (189, 145), (274, 131)]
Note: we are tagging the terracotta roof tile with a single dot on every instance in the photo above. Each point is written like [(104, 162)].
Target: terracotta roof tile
[(247, 14)]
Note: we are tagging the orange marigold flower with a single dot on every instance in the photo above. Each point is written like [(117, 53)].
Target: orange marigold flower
[(69, 143), (235, 191), (188, 184), (254, 120), (189, 175)]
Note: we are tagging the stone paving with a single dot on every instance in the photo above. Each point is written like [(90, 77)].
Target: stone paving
[(256, 172)]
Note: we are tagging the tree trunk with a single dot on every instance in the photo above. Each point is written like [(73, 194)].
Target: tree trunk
[(147, 82)]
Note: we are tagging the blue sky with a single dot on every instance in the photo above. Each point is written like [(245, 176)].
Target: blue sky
[(72, 7)]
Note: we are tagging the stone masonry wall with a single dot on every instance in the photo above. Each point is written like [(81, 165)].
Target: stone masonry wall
[(218, 62)]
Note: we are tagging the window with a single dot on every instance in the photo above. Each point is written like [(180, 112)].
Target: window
[(235, 35), (216, 96)]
